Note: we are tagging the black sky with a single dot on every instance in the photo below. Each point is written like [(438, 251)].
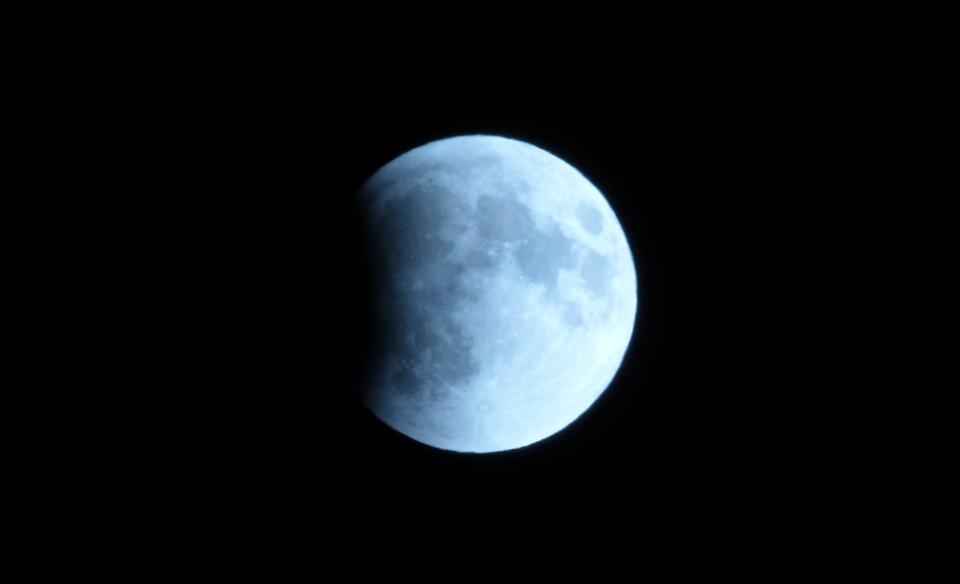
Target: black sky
[(748, 151)]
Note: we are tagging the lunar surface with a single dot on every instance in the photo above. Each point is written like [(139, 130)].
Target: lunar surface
[(507, 290)]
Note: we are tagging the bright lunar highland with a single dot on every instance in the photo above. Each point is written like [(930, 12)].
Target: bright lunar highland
[(507, 289)]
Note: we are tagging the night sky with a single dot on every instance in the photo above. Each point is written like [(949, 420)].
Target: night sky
[(744, 148)]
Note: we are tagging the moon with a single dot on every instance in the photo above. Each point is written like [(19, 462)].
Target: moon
[(506, 289)]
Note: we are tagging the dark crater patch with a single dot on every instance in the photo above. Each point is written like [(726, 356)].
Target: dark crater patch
[(439, 348), (451, 358), (540, 255), (503, 219), (405, 381), (597, 272), (481, 259), (409, 232), (571, 315), (590, 218), (453, 287), (543, 255)]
